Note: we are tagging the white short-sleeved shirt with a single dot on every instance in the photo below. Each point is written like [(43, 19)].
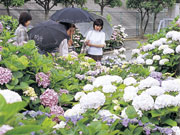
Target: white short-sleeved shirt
[(98, 38)]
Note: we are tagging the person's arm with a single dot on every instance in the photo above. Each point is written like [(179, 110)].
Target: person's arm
[(101, 45)]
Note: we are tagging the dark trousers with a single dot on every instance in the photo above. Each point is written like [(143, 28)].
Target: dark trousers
[(95, 57)]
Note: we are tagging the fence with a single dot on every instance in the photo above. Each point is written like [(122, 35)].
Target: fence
[(129, 20)]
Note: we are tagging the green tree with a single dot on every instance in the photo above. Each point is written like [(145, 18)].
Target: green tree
[(72, 3), (47, 5), (110, 3), (12, 3), (158, 6)]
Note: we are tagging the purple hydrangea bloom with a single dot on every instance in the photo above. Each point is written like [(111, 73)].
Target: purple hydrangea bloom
[(63, 91), (5, 75), (42, 79), (49, 98)]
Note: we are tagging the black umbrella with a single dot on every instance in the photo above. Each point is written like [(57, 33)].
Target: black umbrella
[(48, 35), (72, 15)]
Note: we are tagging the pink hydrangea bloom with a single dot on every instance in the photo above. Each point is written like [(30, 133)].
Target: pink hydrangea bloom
[(178, 22), (57, 111), (4, 129), (1, 27), (63, 91), (1, 48), (49, 98), (42, 79), (5, 75)]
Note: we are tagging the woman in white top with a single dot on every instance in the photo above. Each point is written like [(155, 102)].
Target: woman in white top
[(95, 39)]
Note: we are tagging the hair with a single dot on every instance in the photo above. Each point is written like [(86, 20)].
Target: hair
[(24, 17), (98, 22), (68, 25)]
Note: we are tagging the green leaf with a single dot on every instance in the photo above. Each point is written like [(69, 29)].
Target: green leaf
[(138, 131), (144, 119), (170, 122), (18, 74), (2, 102), (24, 130), (10, 87), (131, 112)]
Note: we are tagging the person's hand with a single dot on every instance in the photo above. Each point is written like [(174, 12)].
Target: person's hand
[(87, 42), (70, 42)]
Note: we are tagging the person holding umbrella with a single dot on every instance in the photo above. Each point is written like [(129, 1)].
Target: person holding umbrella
[(21, 31), (65, 44), (95, 39)]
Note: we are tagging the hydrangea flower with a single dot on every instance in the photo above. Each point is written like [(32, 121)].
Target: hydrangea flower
[(42, 79), (171, 85), (56, 110), (88, 87), (1, 27), (143, 102), (79, 95), (163, 101), (10, 96), (162, 47), (63, 91), (149, 62), (155, 91), (178, 49), (176, 130), (156, 57), (4, 129), (5, 75), (168, 51), (30, 92), (109, 88), (130, 93), (129, 81), (92, 100), (163, 61), (148, 82), (62, 124), (76, 110), (49, 98), (135, 51)]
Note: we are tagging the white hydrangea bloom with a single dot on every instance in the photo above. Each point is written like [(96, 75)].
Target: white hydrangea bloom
[(122, 49), (4, 129), (10, 96), (163, 61), (177, 100), (122, 56), (79, 95), (157, 43), (171, 34), (149, 62), (92, 100), (109, 88), (62, 124), (156, 57), (106, 80), (144, 55), (176, 37), (130, 93), (140, 61), (107, 114), (129, 81), (176, 130), (171, 85), (155, 91), (148, 47), (163, 40), (162, 47), (135, 51), (148, 82), (77, 110), (178, 49), (88, 87), (163, 101), (168, 51), (116, 52), (151, 68), (143, 102)]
